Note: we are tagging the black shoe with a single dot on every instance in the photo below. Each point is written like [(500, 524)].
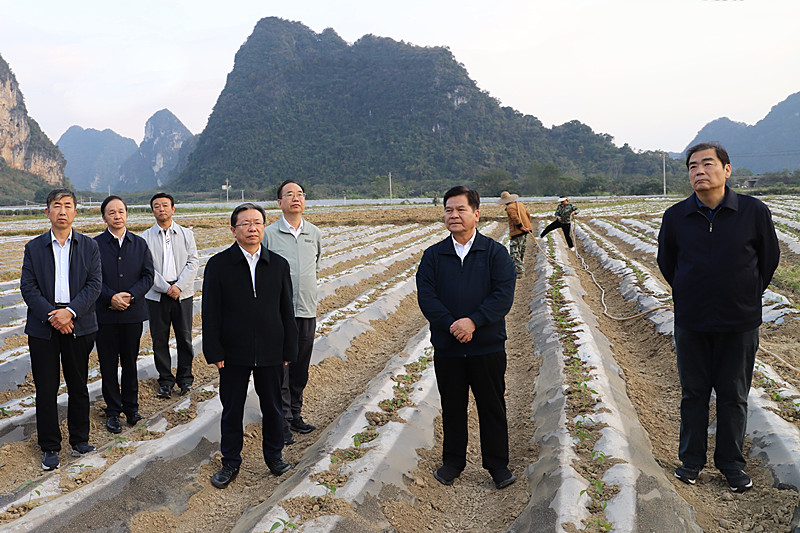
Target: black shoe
[(278, 467), (738, 481), (113, 424), (185, 390), (299, 425), (224, 477), (82, 448), (288, 437), (446, 475), (50, 461), (504, 479), (688, 473), (133, 418), (165, 391)]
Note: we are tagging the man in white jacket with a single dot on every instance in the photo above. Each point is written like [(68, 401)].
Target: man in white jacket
[(169, 302), (300, 243)]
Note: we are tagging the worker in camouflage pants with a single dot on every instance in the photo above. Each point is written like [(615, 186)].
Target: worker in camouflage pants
[(519, 225)]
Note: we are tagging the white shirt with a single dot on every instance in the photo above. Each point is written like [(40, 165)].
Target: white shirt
[(61, 256), (168, 270), (463, 249), (252, 260), (120, 239), (295, 232)]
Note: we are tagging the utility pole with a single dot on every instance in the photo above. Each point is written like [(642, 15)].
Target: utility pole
[(227, 188), (390, 187), (664, 170)]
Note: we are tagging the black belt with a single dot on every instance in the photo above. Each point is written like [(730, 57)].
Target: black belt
[(61, 306), (172, 282)]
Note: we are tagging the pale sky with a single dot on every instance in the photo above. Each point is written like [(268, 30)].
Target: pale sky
[(650, 73)]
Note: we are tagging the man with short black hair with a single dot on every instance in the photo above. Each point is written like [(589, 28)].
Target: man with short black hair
[(465, 288), (169, 301), (299, 242), (248, 328), (718, 250), (121, 310), (60, 282)]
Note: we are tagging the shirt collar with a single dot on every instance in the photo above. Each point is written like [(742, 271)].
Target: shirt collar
[(256, 256), (468, 243), (53, 238), (290, 227)]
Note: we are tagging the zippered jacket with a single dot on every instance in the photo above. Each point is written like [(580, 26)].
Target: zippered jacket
[(303, 255), (481, 289), (718, 268)]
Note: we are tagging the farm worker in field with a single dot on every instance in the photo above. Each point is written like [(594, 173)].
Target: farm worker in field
[(169, 301), (718, 251), (249, 328), (60, 282), (519, 225), (564, 214), (300, 243), (121, 310), (465, 288)]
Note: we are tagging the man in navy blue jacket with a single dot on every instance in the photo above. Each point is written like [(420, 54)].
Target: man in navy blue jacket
[(718, 251), (121, 309), (465, 288), (60, 282)]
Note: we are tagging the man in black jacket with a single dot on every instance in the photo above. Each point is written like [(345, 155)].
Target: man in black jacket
[(60, 282), (121, 310), (465, 288), (248, 327), (718, 251)]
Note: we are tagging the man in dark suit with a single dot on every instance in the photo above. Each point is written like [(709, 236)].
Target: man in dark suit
[(248, 327), (60, 282), (127, 276)]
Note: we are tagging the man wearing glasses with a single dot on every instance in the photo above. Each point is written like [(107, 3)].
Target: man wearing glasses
[(248, 328), (300, 243), (170, 300)]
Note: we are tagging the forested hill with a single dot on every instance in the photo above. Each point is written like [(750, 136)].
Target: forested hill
[(770, 145), (312, 107)]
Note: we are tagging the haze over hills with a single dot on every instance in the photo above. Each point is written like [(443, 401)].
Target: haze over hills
[(94, 157), (29, 162), (312, 107), (770, 145)]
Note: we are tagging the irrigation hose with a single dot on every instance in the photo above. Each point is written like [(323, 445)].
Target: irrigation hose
[(591, 274)]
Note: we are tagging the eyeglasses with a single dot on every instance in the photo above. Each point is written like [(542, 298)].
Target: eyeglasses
[(292, 195), (249, 224)]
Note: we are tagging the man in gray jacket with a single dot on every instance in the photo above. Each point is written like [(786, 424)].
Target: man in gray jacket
[(300, 243), (170, 300)]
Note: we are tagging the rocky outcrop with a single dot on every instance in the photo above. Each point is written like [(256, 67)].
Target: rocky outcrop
[(23, 145), (159, 153)]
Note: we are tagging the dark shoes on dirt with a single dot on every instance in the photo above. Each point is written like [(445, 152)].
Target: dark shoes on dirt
[(299, 425), (224, 477), (503, 478), (113, 425), (165, 391), (278, 467), (82, 448), (50, 461), (688, 473), (737, 480), (446, 474)]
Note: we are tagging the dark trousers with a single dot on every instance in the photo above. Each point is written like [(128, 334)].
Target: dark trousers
[(723, 362), (179, 315), (564, 227), (72, 355), (485, 374), (233, 382), (295, 374), (118, 344)]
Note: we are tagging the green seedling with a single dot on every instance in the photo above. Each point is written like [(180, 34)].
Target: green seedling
[(283, 524)]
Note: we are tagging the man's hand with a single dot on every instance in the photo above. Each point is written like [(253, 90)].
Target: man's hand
[(61, 319), (219, 364), (462, 329), (174, 292), (121, 301), (559, 219)]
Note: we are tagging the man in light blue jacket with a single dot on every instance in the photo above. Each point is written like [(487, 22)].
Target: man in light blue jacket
[(300, 243)]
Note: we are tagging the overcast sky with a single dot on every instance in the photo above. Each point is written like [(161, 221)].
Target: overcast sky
[(650, 73)]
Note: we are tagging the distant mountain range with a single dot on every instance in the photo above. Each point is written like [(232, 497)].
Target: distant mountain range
[(105, 161), (340, 117), (770, 145)]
